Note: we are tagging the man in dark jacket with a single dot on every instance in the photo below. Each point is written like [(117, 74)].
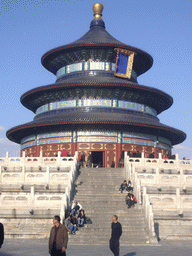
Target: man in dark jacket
[(58, 238), (1, 234), (83, 159), (115, 236), (123, 187)]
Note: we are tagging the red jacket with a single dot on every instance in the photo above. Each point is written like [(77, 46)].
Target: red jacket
[(64, 153), (79, 158)]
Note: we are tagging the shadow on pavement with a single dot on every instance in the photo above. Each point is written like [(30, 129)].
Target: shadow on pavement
[(130, 254), (5, 254)]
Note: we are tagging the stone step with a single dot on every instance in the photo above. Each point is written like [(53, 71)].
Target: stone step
[(114, 193), (97, 191), (110, 186)]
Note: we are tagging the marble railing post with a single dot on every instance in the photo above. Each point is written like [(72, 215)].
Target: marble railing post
[(7, 155), (23, 159), (63, 207), (23, 167), (144, 194), (32, 197), (142, 159), (59, 158), (41, 162), (177, 161), (182, 179), (23, 173), (151, 220), (178, 199), (160, 160), (157, 177), (139, 191), (1, 168), (126, 165), (48, 175), (6, 159)]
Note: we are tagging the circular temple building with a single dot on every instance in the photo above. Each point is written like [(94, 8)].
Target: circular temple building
[(96, 103)]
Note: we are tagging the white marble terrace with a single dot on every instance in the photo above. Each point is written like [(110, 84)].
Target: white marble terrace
[(33, 183), (163, 186)]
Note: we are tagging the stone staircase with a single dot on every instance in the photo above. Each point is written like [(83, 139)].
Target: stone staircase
[(97, 191)]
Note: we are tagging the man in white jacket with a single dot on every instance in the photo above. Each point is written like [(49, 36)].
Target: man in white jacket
[(75, 208)]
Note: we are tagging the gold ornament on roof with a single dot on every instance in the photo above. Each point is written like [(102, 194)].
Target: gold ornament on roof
[(97, 9)]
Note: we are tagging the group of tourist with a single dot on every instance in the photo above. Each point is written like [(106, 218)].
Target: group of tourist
[(74, 218), (127, 188), (81, 160), (58, 238)]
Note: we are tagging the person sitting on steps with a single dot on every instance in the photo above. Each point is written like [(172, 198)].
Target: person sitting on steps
[(130, 200), (69, 226), (123, 187), (76, 207), (81, 218), (130, 186)]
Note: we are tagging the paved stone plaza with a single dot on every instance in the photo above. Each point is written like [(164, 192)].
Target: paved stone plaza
[(19, 247)]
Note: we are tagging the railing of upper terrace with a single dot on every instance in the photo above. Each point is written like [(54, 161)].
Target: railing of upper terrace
[(137, 171), (41, 170)]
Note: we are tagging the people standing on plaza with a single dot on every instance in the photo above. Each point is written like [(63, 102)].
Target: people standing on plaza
[(116, 231), (138, 154), (83, 159), (64, 153), (165, 157), (58, 238), (112, 164), (1, 234), (79, 160), (129, 154), (89, 160), (152, 155)]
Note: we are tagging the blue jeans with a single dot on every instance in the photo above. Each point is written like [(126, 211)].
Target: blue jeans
[(73, 212), (72, 228), (89, 164), (78, 165), (81, 221)]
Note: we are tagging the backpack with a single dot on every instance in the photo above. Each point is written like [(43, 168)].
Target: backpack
[(88, 220)]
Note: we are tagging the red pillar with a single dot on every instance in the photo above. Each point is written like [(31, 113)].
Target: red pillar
[(37, 150), (73, 147), (118, 153), (155, 149)]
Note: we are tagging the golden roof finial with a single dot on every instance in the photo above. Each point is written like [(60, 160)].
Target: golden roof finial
[(97, 9)]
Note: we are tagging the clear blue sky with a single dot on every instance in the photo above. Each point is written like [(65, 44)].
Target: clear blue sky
[(30, 28)]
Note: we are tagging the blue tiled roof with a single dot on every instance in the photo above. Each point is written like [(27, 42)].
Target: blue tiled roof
[(83, 118), (97, 36)]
